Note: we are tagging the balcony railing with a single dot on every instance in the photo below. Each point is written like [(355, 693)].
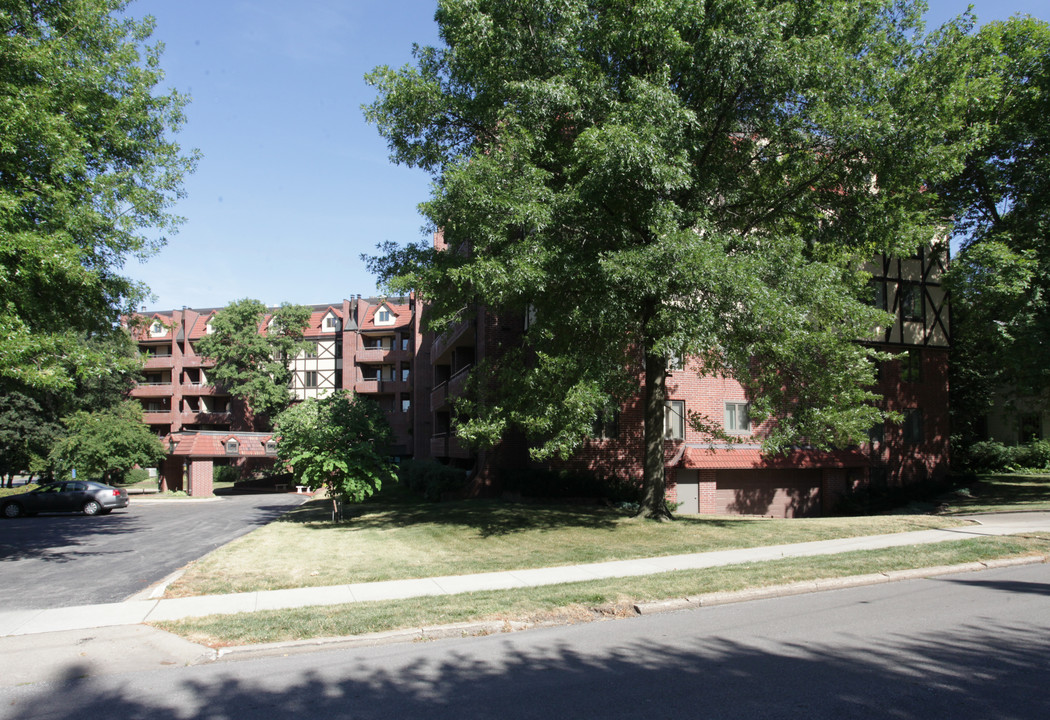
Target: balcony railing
[(450, 338)]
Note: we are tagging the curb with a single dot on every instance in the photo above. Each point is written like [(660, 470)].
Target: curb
[(808, 586), (495, 627), (388, 637)]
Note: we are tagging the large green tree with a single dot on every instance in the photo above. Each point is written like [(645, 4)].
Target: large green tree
[(651, 180), (252, 355), (1000, 280), (107, 443), (88, 172), (338, 443)]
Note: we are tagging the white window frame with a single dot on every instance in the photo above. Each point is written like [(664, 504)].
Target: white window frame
[(737, 417), (674, 419)]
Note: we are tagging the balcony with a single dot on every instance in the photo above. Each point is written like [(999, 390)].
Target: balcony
[(152, 390), (449, 446), (455, 335), (439, 397), (159, 362), (158, 417), (198, 389), (367, 387)]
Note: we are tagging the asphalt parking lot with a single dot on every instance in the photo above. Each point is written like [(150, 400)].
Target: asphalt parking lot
[(61, 560)]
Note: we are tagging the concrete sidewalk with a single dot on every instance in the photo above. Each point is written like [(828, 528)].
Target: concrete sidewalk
[(135, 612)]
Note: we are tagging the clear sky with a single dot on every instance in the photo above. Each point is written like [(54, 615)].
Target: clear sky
[(293, 186)]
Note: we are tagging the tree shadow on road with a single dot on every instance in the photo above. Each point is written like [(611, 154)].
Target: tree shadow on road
[(977, 671)]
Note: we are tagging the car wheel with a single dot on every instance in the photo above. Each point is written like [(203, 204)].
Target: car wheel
[(92, 507), (12, 510)]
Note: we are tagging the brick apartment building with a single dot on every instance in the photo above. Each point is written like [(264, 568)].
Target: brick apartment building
[(376, 347), (364, 344), (733, 478)]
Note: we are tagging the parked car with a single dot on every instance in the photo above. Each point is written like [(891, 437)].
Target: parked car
[(86, 496)]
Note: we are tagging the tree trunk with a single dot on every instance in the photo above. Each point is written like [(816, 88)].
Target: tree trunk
[(654, 502)]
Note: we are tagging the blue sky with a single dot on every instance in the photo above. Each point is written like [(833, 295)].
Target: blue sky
[(293, 185)]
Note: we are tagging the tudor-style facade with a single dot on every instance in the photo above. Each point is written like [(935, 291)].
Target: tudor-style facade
[(364, 344)]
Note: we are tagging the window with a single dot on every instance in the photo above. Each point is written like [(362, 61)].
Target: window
[(310, 351), (674, 420), (156, 329), (384, 316), (737, 418), (606, 426), (913, 432), (404, 342), (405, 371), (676, 362), (232, 446), (911, 301), (406, 402), (338, 349), (876, 434), (271, 447), (331, 324), (911, 366), (878, 294), (310, 379)]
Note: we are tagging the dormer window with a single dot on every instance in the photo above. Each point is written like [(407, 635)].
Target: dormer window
[(208, 328), (332, 323), (232, 447), (383, 317), (157, 329), (271, 447)]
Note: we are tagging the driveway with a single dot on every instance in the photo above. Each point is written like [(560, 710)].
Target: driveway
[(62, 560)]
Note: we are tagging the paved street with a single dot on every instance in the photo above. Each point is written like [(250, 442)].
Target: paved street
[(60, 560), (974, 645)]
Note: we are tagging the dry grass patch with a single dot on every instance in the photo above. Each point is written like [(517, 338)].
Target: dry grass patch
[(389, 542)]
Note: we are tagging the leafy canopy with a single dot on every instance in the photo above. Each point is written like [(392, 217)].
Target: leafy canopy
[(338, 443), (1000, 280), (651, 180), (87, 166), (252, 354), (107, 443)]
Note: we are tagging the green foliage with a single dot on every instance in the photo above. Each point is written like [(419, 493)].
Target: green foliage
[(1000, 281), (225, 474), (252, 357), (135, 475), (431, 479), (993, 456), (671, 178), (87, 166), (107, 443), (338, 443)]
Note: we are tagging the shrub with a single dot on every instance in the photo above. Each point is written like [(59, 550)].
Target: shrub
[(1034, 456), (135, 476), (225, 474), (987, 456), (431, 479)]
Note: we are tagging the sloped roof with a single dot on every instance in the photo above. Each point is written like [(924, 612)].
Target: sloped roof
[(751, 459), (402, 317), (213, 444)]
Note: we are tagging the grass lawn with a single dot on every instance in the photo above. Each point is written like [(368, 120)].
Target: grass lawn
[(583, 601), (1001, 493), (412, 539)]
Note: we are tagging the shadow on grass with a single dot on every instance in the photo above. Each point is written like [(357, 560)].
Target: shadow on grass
[(489, 518), (1002, 489)]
